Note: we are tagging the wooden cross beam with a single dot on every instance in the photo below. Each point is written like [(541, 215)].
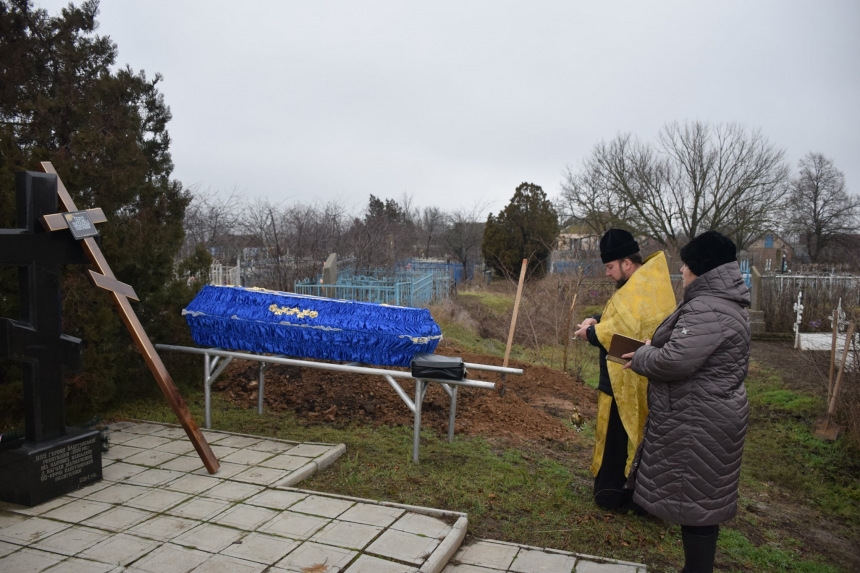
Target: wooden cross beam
[(104, 278)]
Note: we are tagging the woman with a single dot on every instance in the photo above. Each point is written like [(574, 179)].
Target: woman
[(688, 465)]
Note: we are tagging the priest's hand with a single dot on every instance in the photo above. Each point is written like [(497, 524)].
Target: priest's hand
[(582, 328)]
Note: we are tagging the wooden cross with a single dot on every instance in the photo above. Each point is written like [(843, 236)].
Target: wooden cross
[(104, 278)]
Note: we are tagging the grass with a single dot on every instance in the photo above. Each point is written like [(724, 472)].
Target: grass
[(499, 303), (768, 557), (781, 450)]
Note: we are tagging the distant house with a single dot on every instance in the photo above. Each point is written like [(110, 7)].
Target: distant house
[(769, 252), (576, 245), (579, 239)]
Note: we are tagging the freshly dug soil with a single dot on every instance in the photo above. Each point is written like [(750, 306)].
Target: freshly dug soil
[(537, 405)]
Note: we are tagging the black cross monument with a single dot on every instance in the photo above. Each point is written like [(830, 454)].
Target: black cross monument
[(51, 459)]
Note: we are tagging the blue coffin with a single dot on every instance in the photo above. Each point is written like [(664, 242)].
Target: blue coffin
[(258, 320)]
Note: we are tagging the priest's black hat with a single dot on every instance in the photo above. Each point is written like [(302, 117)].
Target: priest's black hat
[(708, 251), (616, 244)]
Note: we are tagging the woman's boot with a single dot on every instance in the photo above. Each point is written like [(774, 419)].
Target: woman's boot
[(700, 548)]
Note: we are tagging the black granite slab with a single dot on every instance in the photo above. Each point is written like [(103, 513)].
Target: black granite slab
[(35, 472)]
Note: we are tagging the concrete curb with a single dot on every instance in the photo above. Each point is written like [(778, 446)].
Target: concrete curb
[(297, 476), (446, 550), (329, 458), (425, 510)]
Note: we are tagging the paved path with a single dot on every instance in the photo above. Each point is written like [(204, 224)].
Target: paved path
[(158, 511)]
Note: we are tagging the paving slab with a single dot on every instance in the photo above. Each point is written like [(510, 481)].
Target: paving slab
[(295, 525), (77, 565), (72, 540), (261, 548), (345, 534), (118, 519), (490, 556), (7, 548), (311, 556), (78, 510), (30, 530), (403, 546), (153, 477), (120, 549), (158, 510), (193, 484), (535, 561), (199, 508), (272, 447), (172, 559), (163, 527), (210, 537), (118, 493), (261, 476), (226, 564), (29, 561), (121, 471), (245, 517), (276, 499), (322, 505), (183, 464)]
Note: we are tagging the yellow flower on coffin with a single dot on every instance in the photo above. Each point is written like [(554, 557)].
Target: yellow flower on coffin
[(294, 311)]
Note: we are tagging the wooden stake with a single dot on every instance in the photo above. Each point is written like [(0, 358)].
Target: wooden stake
[(833, 354), (848, 335), (513, 323)]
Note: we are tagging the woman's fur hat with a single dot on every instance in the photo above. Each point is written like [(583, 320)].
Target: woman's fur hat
[(708, 251)]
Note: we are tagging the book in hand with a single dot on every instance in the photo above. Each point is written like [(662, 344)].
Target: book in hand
[(621, 345)]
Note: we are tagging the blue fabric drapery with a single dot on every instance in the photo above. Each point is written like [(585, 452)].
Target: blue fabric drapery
[(259, 320)]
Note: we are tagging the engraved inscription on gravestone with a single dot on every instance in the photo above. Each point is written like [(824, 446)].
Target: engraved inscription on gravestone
[(51, 459), (68, 461)]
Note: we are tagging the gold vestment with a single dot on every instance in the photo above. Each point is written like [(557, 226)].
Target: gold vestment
[(635, 310)]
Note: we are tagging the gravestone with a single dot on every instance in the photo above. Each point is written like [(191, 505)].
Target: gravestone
[(330, 275), (51, 459), (757, 324)]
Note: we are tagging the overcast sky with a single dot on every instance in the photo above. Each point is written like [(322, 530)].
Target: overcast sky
[(458, 102)]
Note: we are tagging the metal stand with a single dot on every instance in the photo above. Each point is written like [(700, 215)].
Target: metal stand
[(215, 360)]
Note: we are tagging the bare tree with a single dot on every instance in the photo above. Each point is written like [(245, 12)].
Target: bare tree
[(464, 234), (432, 225), (697, 177), (260, 220), (820, 209), (210, 219)]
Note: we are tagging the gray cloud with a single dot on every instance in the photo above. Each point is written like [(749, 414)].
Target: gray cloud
[(458, 102)]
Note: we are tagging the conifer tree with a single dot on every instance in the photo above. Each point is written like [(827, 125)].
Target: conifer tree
[(526, 229), (106, 134)]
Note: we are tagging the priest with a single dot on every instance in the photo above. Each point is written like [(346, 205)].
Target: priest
[(643, 299)]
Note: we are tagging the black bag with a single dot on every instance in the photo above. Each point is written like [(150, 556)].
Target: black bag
[(426, 365)]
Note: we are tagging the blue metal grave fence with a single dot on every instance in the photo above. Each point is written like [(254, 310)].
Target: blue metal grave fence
[(405, 288)]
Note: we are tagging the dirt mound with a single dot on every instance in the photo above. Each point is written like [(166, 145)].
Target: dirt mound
[(536, 406)]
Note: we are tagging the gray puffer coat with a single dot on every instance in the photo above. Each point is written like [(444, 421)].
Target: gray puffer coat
[(688, 465)]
